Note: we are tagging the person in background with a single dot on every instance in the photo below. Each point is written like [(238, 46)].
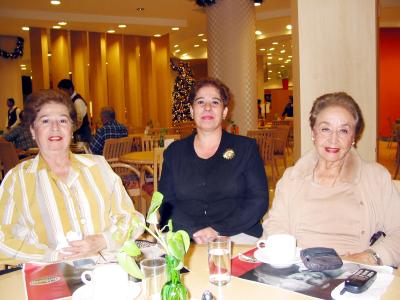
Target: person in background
[(82, 132), (213, 182), (59, 205), (288, 110), (13, 114), (20, 135), (111, 129), (332, 197)]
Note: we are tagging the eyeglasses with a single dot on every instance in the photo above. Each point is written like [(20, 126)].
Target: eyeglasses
[(47, 122)]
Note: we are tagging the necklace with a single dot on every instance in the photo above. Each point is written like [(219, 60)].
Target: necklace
[(321, 182)]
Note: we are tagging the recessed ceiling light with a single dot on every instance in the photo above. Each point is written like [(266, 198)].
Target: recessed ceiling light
[(62, 23), (289, 27), (280, 58), (204, 40), (56, 26), (48, 54), (157, 35), (25, 28), (288, 60), (55, 2), (23, 66), (269, 57), (200, 34), (140, 9), (282, 66), (111, 31), (262, 49), (269, 64), (271, 49), (269, 54), (257, 4), (196, 45), (177, 50), (23, 69), (121, 26), (176, 46), (283, 51), (269, 78), (270, 71), (289, 56), (258, 32), (69, 72), (275, 43), (175, 28)]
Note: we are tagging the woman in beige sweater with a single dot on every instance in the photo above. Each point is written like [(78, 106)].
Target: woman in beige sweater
[(333, 198)]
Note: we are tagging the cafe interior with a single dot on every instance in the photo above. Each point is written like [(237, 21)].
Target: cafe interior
[(139, 57)]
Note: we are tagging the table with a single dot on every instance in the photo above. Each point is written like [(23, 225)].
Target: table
[(138, 158), (12, 287)]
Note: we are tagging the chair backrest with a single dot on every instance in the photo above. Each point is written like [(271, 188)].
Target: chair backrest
[(265, 143), (114, 148), (157, 165), (280, 137), (149, 142), (8, 156)]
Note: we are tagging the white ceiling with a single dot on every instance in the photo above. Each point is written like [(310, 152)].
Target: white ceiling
[(158, 16)]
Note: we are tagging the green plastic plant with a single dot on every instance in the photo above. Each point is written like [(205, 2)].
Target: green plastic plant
[(175, 244)]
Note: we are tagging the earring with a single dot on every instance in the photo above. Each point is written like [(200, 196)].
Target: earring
[(313, 138), (353, 143)]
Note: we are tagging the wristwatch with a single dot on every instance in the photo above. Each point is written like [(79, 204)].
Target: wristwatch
[(375, 256)]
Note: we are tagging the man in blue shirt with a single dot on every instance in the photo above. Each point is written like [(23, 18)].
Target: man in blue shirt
[(111, 129)]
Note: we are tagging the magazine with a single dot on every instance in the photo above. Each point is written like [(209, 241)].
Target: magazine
[(296, 277)]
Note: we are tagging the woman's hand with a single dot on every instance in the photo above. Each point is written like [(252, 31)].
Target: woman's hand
[(90, 245), (203, 235), (361, 257)]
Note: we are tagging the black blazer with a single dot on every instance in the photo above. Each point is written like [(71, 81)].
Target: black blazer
[(229, 195)]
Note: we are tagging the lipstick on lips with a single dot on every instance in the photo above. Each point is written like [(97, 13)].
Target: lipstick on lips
[(332, 150), (207, 117), (55, 138)]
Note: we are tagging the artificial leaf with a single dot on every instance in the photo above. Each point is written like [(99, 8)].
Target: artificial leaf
[(156, 201), (129, 265), (130, 248)]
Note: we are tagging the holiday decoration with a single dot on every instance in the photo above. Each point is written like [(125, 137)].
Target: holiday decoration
[(17, 52), (182, 87), (212, 2)]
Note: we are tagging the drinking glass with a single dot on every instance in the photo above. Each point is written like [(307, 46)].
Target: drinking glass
[(154, 272), (219, 260)]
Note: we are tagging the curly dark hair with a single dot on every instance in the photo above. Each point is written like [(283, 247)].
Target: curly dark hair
[(36, 100), (220, 86)]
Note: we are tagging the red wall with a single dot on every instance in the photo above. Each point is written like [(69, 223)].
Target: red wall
[(389, 78)]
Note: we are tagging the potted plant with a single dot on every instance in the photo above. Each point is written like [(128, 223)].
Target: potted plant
[(175, 244)]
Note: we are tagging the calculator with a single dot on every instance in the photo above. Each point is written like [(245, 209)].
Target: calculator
[(359, 282)]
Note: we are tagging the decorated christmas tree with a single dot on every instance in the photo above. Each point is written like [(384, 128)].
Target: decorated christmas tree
[(182, 87)]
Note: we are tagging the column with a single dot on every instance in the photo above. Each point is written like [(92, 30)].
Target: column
[(232, 56), (60, 56), (335, 49), (39, 58), (79, 63)]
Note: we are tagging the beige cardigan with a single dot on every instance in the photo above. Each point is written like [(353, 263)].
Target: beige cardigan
[(371, 184)]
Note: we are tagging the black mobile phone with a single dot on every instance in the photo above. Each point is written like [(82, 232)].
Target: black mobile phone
[(359, 281)]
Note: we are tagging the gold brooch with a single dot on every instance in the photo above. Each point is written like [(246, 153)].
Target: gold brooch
[(228, 154)]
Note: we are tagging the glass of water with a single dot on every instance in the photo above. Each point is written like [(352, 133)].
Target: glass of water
[(219, 260)]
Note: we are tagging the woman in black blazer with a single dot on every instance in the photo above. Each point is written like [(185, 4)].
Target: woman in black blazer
[(213, 182)]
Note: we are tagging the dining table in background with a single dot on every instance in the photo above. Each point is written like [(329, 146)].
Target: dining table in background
[(12, 285), (138, 158)]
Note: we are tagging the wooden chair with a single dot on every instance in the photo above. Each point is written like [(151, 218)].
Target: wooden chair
[(114, 148), (133, 182), (8, 157), (265, 145), (152, 141), (280, 136)]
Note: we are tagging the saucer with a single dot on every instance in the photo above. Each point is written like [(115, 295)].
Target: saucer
[(83, 293), (259, 255)]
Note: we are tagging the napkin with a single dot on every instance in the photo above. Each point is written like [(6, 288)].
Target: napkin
[(375, 291)]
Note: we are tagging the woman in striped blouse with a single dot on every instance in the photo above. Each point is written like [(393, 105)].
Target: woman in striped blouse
[(59, 205)]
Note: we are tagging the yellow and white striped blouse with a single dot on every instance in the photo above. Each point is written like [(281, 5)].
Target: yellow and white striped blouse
[(38, 210)]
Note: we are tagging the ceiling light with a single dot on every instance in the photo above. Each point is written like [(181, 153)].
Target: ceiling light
[(204, 40), (111, 31), (176, 46), (282, 66), (175, 28), (271, 49), (177, 51), (23, 69), (69, 72), (269, 78), (196, 45), (48, 54), (140, 9), (283, 51), (289, 56), (269, 54), (257, 4), (280, 58), (184, 54), (121, 26), (56, 26), (289, 27), (23, 66), (269, 57), (262, 49), (25, 28), (258, 32), (288, 60), (275, 43), (157, 35), (270, 71), (200, 34), (55, 2), (269, 64), (62, 23)]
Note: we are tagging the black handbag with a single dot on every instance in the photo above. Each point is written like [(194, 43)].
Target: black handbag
[(321, 259)]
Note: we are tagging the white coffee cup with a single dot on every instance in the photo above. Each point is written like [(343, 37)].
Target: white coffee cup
[(278, 248), (106, 282)]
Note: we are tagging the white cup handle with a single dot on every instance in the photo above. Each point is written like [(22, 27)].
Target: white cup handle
[(261, 244), (84, 279)]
